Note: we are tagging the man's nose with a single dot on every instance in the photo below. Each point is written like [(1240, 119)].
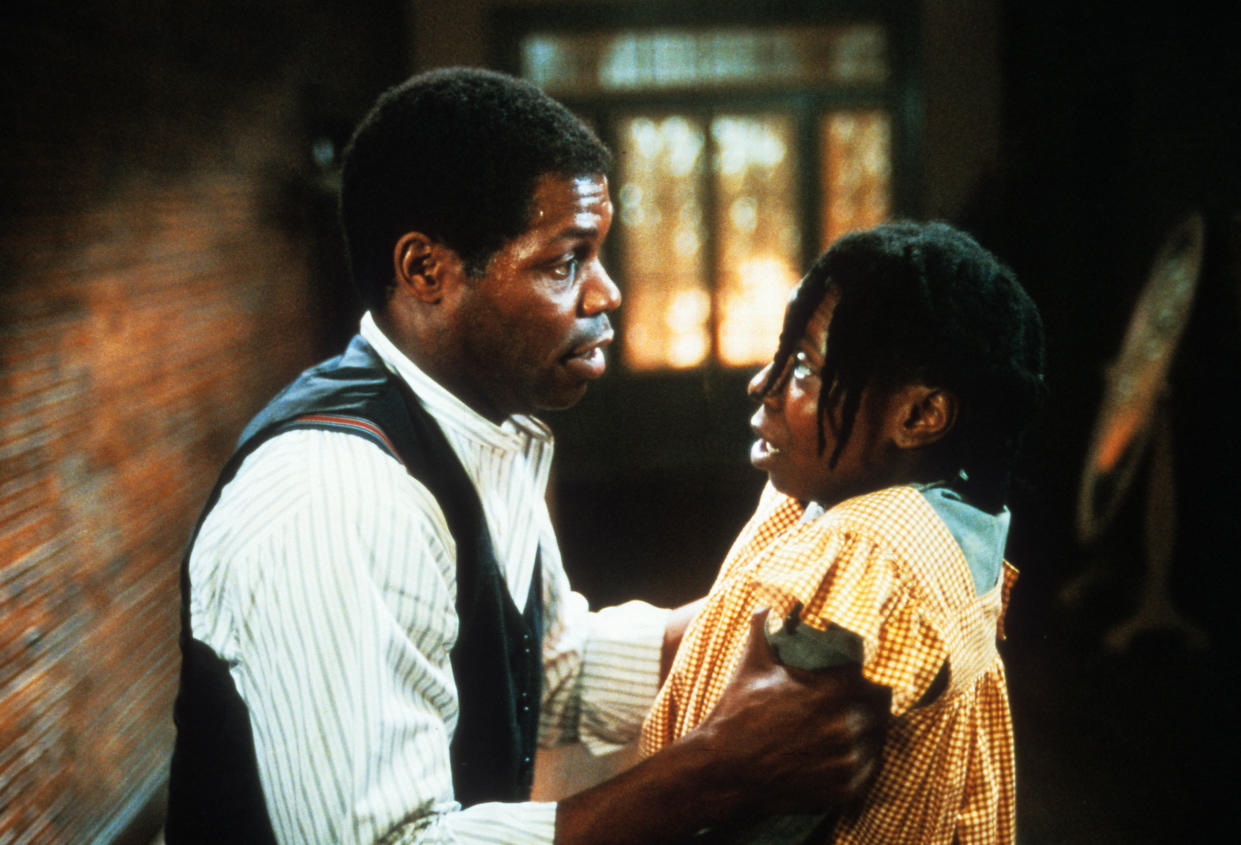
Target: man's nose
[(601, 293)]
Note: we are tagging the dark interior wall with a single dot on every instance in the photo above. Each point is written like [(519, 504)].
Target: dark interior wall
[(164, 267), (1115, 127)]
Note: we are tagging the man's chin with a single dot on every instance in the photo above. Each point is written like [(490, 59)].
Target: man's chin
[(563, 398)]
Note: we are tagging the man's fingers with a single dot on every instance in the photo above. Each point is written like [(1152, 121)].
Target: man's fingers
[(758, 654)]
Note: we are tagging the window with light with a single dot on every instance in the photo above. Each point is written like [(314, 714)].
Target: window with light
[(741, 153)]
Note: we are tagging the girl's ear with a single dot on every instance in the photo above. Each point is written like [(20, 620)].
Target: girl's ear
[(923, 414)]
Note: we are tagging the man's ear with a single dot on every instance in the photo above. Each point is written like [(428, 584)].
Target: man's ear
[(423, 267), (927, 414)]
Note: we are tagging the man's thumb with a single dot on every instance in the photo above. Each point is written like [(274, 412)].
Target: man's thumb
[(758, 654)]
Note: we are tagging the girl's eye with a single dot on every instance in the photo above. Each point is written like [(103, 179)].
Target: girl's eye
[(803, 371)]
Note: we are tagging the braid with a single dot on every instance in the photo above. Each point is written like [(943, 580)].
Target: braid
[(924, 303)]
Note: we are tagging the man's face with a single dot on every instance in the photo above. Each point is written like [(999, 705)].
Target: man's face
[(530, 333), (787, 427)]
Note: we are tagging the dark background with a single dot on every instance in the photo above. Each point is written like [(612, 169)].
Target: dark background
[(133, 125)]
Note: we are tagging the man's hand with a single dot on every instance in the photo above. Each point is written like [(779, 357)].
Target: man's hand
[(780, 740), (796, 741)]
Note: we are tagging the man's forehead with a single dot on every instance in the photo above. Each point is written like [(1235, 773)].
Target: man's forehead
[(569, 207), (556, 193)]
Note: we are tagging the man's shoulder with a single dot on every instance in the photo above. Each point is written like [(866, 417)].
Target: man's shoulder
[(314, 474)]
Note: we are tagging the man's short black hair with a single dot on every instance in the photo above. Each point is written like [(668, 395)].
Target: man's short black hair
[(925, 303), (454, 154)]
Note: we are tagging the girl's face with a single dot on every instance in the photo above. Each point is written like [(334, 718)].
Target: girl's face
[(787, 427)]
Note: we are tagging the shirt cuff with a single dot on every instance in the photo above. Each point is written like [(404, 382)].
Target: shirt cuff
[(529, 823)]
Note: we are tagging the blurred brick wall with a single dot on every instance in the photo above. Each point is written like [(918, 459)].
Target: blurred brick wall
[(165, 250)]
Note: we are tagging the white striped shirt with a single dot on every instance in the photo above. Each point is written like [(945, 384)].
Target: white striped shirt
[(325, 576)]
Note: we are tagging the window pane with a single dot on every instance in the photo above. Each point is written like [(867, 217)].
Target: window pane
[(592, 63), (857, 171), (667, 308), (755, 221)]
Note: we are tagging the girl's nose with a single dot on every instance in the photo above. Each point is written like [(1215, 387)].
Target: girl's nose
[(756, 385)]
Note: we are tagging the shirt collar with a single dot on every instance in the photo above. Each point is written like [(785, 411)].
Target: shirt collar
[(510, 434)]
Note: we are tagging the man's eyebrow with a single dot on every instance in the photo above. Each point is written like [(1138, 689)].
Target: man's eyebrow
[(576, 232)]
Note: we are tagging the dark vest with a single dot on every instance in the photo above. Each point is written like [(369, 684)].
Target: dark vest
[(215, 794)]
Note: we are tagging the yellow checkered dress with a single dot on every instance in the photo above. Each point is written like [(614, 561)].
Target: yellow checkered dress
[(885, 567)]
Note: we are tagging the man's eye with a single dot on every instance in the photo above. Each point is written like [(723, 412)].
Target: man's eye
[(566, 270)]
